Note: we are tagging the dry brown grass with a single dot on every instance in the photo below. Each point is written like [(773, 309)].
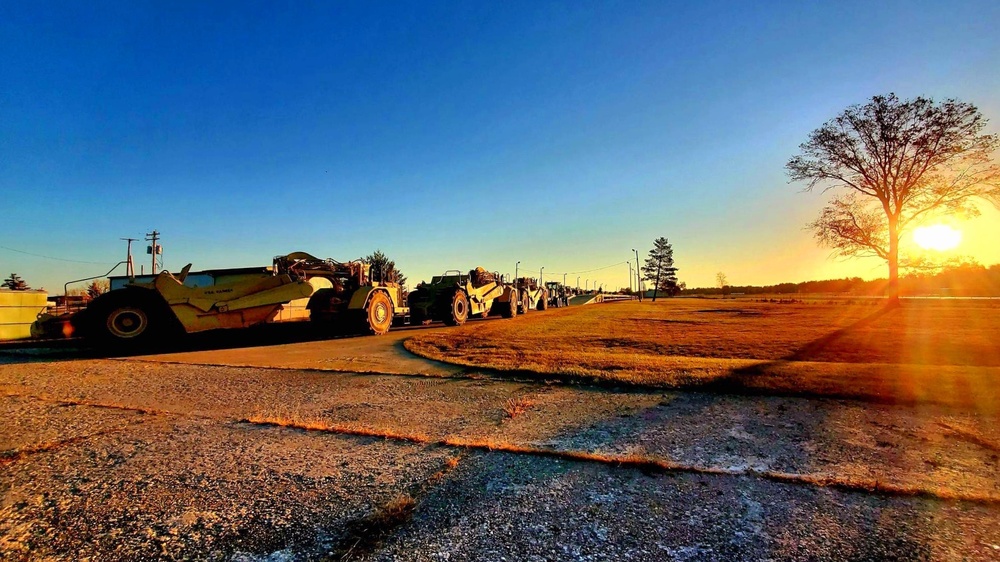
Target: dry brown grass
[(13, 455), (970, 435), (517, 405), (944, 352), (295, 421), (89, 404), (363, 535), (648, 464), (397, 508)]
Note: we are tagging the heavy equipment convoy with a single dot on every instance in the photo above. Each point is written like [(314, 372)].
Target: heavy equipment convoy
[(453, 296), (531, 295), (558, 293), (298, 286)]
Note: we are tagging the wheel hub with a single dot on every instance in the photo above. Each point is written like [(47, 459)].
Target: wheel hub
[(127, 322)]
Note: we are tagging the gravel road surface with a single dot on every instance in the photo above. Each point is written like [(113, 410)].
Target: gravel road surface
[(154, 458)]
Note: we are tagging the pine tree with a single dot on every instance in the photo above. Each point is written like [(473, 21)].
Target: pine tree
[(15, 283), (659, 268), (96, 289), (383, 269)]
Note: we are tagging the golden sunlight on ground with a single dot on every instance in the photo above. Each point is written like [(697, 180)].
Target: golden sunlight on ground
[(940, 237)]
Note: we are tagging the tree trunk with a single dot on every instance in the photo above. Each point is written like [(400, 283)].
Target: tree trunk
[(893, 260), (656, 285)]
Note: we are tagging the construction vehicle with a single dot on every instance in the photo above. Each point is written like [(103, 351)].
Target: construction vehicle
[(353, 299), (298, 286), (532, 296), (454, 296), (558, 293)]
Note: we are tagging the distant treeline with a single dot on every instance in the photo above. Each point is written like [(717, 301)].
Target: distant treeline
[(964, 281)]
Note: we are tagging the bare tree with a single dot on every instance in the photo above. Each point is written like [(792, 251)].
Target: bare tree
[(720, 280), (896, 164)]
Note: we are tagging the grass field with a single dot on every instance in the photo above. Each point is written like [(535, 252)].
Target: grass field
[(934, 352)]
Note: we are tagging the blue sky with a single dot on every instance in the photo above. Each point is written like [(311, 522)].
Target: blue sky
[(456, 134)]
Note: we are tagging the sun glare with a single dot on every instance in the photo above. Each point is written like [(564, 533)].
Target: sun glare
[(940, 237)]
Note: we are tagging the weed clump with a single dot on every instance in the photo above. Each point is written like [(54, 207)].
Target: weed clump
[(516, 406)]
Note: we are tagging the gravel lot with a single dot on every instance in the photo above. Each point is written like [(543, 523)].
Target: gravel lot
[(151, 458)]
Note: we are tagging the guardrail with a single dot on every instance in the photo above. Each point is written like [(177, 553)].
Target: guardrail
[(615, 297)]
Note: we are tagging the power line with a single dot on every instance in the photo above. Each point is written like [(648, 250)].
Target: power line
[(597, 269), (617, 264), (52, 258)]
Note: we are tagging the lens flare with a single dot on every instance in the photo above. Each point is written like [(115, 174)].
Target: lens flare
[(939, 237)]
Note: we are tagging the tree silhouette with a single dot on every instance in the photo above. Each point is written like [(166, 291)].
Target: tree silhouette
[(722, 282), (896, 164), (15, 283), (659, 268), (96, 289), (383, 269)]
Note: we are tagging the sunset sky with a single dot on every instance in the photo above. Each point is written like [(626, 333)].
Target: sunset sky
[(456, 134)]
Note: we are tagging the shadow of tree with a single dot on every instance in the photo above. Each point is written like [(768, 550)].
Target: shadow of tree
[(809, 351)]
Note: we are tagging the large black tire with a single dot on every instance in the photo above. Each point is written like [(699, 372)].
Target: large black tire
[(417, 317), (523, 304), (378, 313), (508, 309), (458, 309), (415, 296), (542, 303), (130, 320), (321, 313)]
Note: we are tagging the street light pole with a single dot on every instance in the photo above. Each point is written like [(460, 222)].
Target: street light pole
[(578, 283), (540, 276), (515, 269), (629, 264), (638, 280)]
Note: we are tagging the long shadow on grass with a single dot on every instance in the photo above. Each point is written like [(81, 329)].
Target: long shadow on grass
[(961, 387), (812, 349), (748, 380)]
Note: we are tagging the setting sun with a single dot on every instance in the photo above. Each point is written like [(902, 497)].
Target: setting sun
[(938, 237)]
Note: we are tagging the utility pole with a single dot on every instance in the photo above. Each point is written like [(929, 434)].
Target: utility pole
[(638, 280), (154, 248), (129, 266), (515, 269), (564, 279), (540, 276), (578, 283), (629, 264)]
